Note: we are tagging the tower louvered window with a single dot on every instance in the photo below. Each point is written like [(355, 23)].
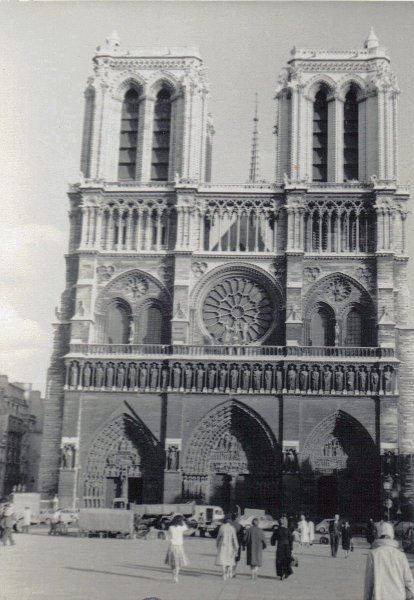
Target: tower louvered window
[(161, 136), (127, 163), (351, 136), (320, 137)]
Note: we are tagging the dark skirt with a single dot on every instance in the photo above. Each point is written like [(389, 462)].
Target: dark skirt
[(283, 560)]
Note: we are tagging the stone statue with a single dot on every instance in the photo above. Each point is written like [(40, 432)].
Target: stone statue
[(172, 458), (143, 373), (388, 380), (315, 379), (164, 378), (211, 378), (176, 376), (99, 375), (362, 380), (74, 374), (279, 379), (234, 379), (292, 379), (304, 376), (374, 380), (68, 456), (200, 378), (81, 309), (337, 333), (290, 461), (87, 372), (120, 377), (257, 378), (132, 376), (131, 332), (268, 375), (188, 376), (154, 377), (327, 380), (339, 379), (109, 376), (246, 379), (350, 380), (223, 377)]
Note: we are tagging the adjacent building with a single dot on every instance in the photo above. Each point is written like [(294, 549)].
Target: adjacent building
[(244, 343)]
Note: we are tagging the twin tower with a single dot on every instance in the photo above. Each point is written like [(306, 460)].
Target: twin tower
[(235, 343)]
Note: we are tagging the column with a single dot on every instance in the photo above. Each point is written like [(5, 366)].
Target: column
[(357, 248), (159, 231), (201, 239)]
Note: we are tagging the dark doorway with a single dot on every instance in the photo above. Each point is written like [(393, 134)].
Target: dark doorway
[(135, 490), (113, 489), (327, 495), (221, 491)]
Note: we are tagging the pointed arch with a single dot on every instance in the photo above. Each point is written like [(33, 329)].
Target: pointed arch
[(320, 81), (351, 80)]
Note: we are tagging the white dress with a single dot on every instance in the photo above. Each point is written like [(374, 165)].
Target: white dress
[(304, 532), (175, 554)]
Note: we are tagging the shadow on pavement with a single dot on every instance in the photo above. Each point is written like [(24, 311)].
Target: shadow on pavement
[(191, 572), (110, 573)]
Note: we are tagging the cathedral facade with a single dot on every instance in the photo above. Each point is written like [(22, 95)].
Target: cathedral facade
[(235, 344)]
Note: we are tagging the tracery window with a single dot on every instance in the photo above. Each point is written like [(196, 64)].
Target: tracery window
[(117, 322), (161, 136), (322, 326), (127, 163), (153, 326), (351, 136), (320, 137)]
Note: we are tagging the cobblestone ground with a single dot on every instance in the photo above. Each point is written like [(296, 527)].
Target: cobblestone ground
[(71, 568)]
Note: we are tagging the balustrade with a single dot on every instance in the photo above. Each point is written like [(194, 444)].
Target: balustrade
[(281, 377)]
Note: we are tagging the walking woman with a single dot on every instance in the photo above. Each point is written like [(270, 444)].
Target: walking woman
[(346, 538), (284, 539), (176, 557), (227, 547), (255, 543)]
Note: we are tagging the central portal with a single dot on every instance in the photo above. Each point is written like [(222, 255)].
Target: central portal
[(232, 460)]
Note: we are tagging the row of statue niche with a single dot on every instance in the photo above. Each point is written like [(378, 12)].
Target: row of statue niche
[(172, 458), (68, 456), (119, 376), (200, 377), (194, 486)]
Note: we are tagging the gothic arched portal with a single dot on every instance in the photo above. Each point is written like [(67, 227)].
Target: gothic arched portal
[(340, 467), (232, 458), (124, 460)]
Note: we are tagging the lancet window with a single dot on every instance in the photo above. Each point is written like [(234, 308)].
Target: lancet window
[(351, 136), (340, 227), (320, 137), (161, 136), (117, 322), (240, 227), (127, 163)]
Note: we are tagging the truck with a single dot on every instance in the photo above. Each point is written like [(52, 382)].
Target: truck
[(22, 499), (106, 522)]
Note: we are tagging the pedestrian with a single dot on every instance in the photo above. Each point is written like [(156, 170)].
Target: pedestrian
[(227, 547), (240, 538), (54, 522), (8, 522), (371, 533), (284, 540), (27, 519), (176, 557), (387, 573), (346, 536), (311, 527), (255, 543), (335, 529), (303, 531), (202, 525)]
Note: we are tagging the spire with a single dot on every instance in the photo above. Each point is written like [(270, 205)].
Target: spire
[(372, 41), (254, 161)]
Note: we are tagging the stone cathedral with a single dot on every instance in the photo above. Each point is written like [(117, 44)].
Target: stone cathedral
[(235, 344)]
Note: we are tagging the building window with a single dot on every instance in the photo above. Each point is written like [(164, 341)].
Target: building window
[(129, 136), (322, 326), (161, 136), (351, 136), (152, 326), (117, 323), (320, 137)]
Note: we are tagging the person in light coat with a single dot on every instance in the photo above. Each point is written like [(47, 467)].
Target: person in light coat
[(27, 519), (303, 531), (227, 547), (387, 573)]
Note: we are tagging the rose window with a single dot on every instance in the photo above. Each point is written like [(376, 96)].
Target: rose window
[(237, 311), (338, 289)]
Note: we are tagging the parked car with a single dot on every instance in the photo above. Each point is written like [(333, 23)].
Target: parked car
[(67, 515), (266, 522), (401, 527), (323, 526), (408, 539)]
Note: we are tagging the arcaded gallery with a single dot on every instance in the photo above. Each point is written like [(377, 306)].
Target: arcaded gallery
[(235, 344)]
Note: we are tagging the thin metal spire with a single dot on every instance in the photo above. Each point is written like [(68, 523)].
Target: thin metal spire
[(254, 161)]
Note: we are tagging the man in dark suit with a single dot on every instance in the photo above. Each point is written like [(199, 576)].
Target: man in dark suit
[(335, 531)]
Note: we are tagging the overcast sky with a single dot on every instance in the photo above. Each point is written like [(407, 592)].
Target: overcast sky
[(46, 50)]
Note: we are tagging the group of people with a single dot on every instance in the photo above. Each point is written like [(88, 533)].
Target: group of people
[(8, 522), (232, 538)]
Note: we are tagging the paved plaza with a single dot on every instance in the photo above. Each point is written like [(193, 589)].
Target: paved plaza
[(71, 568)]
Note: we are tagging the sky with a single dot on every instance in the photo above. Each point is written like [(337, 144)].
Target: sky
[(46, 51)]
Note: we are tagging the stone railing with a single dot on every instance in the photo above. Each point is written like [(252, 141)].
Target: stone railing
[(277, 374)]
